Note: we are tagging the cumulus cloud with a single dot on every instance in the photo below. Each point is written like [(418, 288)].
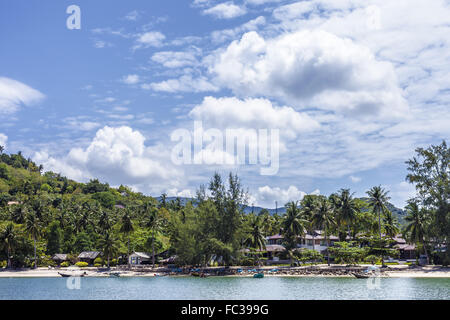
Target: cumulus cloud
[(314, 68), (231, 112), (226, 10), (14, 94), (266, 196), (3, 139), (116, 155)]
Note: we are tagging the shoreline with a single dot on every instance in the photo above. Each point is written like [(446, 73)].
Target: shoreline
[(300, 272)]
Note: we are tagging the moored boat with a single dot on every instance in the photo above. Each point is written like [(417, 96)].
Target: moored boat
[(258, 275)]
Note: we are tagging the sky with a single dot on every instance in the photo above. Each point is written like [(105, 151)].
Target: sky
[(354, 87)]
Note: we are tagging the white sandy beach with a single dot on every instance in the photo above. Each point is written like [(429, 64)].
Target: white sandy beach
[(392, 272)]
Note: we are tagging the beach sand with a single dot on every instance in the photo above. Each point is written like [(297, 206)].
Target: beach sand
[(400, 271)]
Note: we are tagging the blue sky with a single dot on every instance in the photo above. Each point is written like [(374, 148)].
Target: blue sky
[(353, 88)]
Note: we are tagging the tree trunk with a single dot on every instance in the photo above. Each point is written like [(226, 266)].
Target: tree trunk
[(9, 257), (153, 249), (328, 247), (35, 260), (425, 249), (128, 252), (108, 261)]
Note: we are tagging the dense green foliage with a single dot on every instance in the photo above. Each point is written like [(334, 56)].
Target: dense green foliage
[(45, 213)]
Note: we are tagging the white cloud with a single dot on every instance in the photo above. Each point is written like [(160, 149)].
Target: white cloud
[(266, 196), (183, 84), (132, 16), (226, 10), (118, 156), (150, 39), (252, 113), (3, 139), (355, 179), (177, 59), (131, 79), (219, 36), (185, 193), (311, 68), (14, 94)]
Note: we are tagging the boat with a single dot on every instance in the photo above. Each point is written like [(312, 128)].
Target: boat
[(114, 274), (258, 275), (67, 275), (195, 274), (361, 276)]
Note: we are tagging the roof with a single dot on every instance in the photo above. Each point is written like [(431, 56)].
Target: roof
[(406, 247), (10, 203), (275, 237), (274, 248), (141, 255), (88, 255), (59, 256)]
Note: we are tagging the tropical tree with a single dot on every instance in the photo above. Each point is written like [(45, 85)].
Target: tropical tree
[(255, 236), (324, 220), (390, 224), (127, 228), (9, 240), (109, 245), (293, 226), (309, 205), (33, 229), (347, 208), (153, 222), (417, 224), (378, 199)]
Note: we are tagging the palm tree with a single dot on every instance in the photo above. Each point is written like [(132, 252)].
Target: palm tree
[(9, 240), (109, 245), (378, 200), (255, 238), (293, 225), (324, 220), (33, 228), (127, 228), (417, 219), (390, 225), (153, 222), (347, 208), (309, 205)]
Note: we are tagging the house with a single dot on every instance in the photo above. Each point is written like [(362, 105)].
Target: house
[(88, 256), (316, 241), (60, 258), (138, 258), (11, 203)]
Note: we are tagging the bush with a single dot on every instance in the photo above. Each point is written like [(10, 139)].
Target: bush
[(3, 264), (81, 264), (97, 265), (113, 263), (372, 259), (65, 264), (98, 261)]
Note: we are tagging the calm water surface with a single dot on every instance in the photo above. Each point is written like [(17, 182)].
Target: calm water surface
[(277, 288)]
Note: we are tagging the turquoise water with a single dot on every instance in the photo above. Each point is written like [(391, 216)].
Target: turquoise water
[(228, 288)]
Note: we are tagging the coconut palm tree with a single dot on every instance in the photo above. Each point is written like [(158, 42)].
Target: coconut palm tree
[(378, 199), (309, 205), (153, 222), (390, 223), (255, 237), (127, 228), (417, 224), (109, 245), (8, 239), (33, 228), (324, 220), (347, 208), (293, 226)]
